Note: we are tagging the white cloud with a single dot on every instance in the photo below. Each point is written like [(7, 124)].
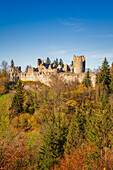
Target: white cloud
[(99, 56), (58, 52), (103, 36), (74, 23)]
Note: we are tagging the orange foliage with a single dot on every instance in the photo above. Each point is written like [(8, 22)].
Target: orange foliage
[(13, 155), (82, 158)]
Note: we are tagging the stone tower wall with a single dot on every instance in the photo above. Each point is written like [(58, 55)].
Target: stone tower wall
[(78, 64), (15, 73), (30, 70)]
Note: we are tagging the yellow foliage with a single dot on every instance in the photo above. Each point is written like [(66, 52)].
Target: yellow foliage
[(3, 89), (24, 121)]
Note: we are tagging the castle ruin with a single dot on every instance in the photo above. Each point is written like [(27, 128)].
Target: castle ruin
[(43, 71)]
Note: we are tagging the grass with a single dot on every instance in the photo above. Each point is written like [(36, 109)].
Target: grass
[(5, 102), (7, 131)]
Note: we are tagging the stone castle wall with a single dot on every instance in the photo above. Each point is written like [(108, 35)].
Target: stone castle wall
[(80, 77), (79, 64), (46, 79), (44, 72)]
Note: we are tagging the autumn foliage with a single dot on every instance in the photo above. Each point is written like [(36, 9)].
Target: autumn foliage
[(64, 126)]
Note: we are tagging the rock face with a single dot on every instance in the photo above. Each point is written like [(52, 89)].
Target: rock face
[(44, 72)]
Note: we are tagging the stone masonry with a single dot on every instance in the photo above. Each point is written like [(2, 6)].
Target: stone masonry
[(44, 71)]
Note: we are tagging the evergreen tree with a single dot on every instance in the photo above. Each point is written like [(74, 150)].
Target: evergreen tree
[(71, 63), (111, 83), (99, 128), (87, 80), (12, 63), (29, 103), (56, 62), (82, 120), (18, 99), (61, 63), (105, 99), (73, 135), (77, 130), (53, 142), (48, 61), (104, 75)]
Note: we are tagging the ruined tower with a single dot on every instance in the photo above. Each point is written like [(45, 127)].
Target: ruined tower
[(79, 64), (15, 73)]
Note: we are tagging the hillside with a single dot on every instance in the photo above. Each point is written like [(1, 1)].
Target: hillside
[(62, 126), (5, 102)]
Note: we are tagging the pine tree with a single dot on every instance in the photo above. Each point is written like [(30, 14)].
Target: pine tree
[(77, 130), (29, 103), (104, 99), (71, 63), (48, 61), (87, 80), (111, 83), (73, 135), (99, 128), (12, 63), (56, 62), (53, 142), (18, 99), (61, 63), (104, 75), (81, 119)]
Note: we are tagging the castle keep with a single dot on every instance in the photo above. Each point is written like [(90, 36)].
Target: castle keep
[(43, 71), (79, 64)]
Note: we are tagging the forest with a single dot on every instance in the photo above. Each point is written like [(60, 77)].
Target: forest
[(64, 126)]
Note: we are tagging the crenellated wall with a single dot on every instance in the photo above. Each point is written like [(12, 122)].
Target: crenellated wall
[(79, 64)]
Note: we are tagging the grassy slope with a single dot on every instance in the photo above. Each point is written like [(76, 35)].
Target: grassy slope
[(5, 102), (5, 129)]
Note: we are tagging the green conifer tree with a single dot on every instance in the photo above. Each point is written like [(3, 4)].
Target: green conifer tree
[(48, 61), (56, 62), (71, 63), (104, 99), (99, 128), (104, 75), (12, 63), (53, 142), (29, 103), (73, 135), (77, 130), (61, 63), (82, 120), (18, 99), (87, 80), (111, 83)]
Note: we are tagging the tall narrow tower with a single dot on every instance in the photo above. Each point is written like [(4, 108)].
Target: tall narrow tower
[(79, 64)]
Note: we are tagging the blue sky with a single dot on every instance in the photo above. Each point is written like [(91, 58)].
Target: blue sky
[(31, 29)]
